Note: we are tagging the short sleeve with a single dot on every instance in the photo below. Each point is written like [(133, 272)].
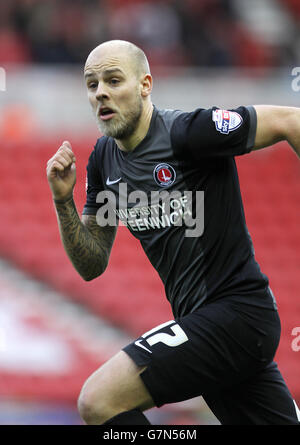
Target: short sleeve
[(93, 186), (214, 132)]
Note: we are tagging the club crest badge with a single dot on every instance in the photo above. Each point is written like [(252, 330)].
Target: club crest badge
[(226, 121), (164, 175)]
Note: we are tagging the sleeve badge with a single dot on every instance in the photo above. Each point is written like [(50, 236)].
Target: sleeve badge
[(226, 121)]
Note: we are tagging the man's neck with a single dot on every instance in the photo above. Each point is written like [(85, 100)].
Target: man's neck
[(133, 141)]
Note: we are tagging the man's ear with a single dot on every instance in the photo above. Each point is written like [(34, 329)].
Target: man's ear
[(146, 85)]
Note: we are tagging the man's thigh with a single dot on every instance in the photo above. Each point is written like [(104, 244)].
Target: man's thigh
[(116, 386)]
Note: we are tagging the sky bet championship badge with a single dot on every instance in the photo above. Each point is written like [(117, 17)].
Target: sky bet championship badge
[(226, 121), (164, 175)]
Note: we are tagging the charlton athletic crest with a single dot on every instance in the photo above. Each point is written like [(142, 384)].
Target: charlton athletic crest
[(164, 175)]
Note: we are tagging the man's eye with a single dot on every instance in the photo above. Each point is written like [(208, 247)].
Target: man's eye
[(92, 85), (114, 81)]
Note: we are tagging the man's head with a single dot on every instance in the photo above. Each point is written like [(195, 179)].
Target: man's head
[(119, 85)]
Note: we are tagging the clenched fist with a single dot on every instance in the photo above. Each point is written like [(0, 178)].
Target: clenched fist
[(61, 172)]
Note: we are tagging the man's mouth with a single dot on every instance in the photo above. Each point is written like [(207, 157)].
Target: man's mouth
[(106, 113)]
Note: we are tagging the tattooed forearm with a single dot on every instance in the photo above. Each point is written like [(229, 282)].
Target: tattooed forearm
[(87, 244)]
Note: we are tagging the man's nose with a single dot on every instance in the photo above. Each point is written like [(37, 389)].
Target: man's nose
[(101, 92)]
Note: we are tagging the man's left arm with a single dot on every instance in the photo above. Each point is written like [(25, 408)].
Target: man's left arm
[(275, 124)]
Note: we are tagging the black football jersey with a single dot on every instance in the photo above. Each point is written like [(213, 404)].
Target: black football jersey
[(178, 193)]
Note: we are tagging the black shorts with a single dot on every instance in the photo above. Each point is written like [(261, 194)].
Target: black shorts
[(224, 352)]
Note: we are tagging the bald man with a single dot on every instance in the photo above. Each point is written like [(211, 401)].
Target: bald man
[(226, 327), (131, 103)]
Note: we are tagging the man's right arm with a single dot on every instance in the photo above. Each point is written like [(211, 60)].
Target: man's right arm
[(87, 244)]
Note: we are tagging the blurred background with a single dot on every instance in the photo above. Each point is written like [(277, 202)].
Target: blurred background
[(56, 329)]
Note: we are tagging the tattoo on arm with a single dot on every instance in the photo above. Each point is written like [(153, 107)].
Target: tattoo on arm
[(87, 244)]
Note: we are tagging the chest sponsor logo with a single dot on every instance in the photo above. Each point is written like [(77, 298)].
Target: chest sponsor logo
[(226, 121), (164, 175), (158, 209)]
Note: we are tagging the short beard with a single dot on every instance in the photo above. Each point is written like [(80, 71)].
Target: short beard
[(125, 128)]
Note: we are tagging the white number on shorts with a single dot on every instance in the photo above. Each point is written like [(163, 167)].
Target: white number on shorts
[(177, 339)]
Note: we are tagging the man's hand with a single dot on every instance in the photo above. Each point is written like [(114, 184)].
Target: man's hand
[(61, 172)]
